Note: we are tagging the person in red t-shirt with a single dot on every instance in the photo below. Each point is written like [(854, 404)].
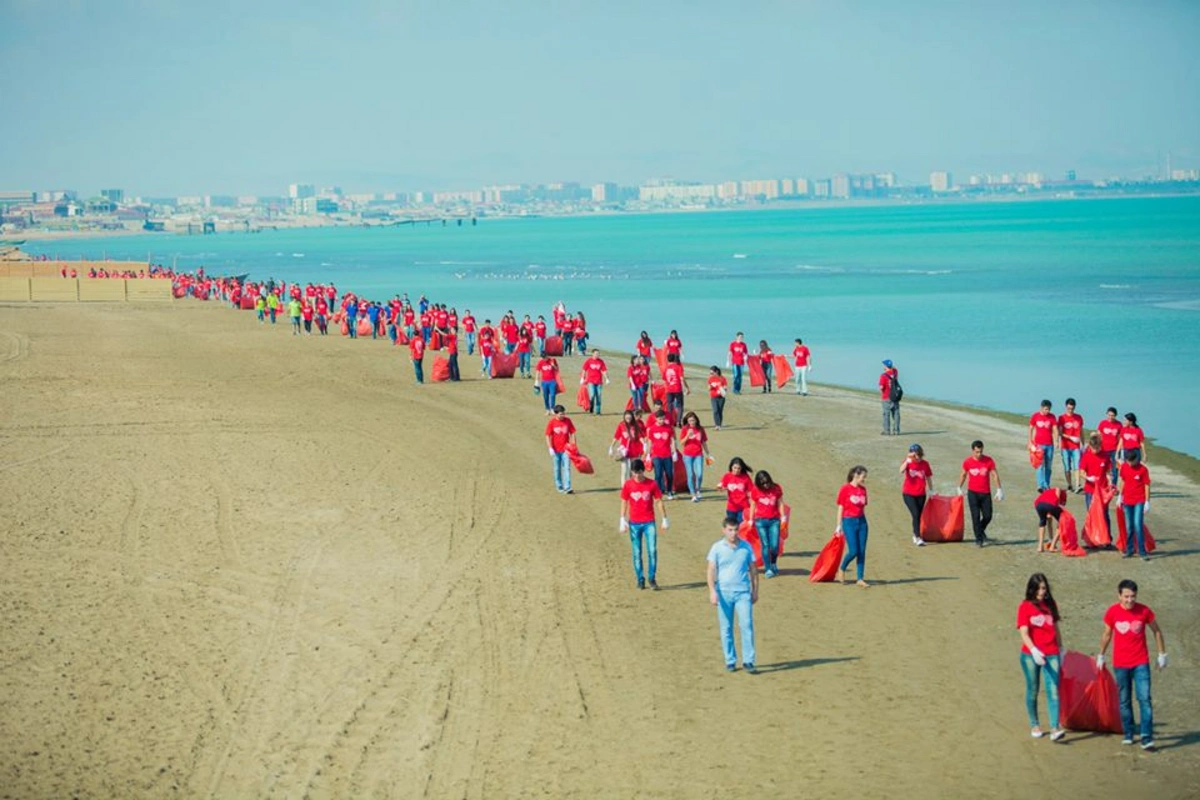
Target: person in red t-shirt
[(1041, 652), (524, 351), (1125, 625), (803, 360), (639, 495), (891, 408), (766, 508), (918, 485), (767, 360), (852, 521), (568, 335), (1110, 438), (1094, 467), (645, 345), (716, 395), (737, 484), (1043, 435), (1131, 438), (674, 346), (627, 442), (450, 342), (738, 351), (677, 385), (416, 350), (594, 375), (539, 335), (1134, 486), (1070, 442), (1049, 504), (660, 437), (560, 432), (639, 381), (978, 472), (693, 447), (547, 376)]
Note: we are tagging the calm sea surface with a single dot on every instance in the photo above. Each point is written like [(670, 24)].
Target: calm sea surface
[(990, 304)]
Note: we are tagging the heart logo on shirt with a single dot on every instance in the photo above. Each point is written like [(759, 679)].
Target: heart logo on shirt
[(1038, 621), (1122, 627)]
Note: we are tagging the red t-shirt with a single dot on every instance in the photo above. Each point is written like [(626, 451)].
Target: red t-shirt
[(468, 323), (1110, 434), (633, 446), (306, 311), (322, 308), (766, 504), (737, 485), (765, 355), (673, 378), (716, 385), (801, 354), (1070, 425), (691, 440), (979, 473), (1134, 482), (915, 474), (1042, 631), (1095, 468), (486, 348), (593, 370), (1131, 438), (524, 345), (660, 437), (639, 374), (1050, 496), (417, 348), (737, 353), (1043, 425), (1129, 634), (641, 496), (885, 382), (644, 348), (539, 329), (853, 500), (547, 370), (559, 431), (450, 342), (673, 346)]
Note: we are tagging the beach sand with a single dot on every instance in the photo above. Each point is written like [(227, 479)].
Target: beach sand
[(238, 563)]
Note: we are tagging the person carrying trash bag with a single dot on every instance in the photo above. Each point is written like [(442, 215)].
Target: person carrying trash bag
[(1041, 649), (1125, 625)]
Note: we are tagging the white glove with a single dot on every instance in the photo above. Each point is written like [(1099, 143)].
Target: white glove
[(1039, 657), (1100, 661), (960, 492), (550, 450), (1146, 509), (838, 530), (623, 525), (666, 523), (1162, 660), (999, 493)]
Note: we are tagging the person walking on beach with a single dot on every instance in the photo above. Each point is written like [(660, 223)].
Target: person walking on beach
[(307, 313), (1134, 486), (294, 310), (416, 350), (547, 373), (1043, 436), (661, 436), (766, 360), (1070, 442), (450, 342), (1049, 504), (737, 483), (560, 432), (487, 349), (639, 495), (693, 446), (594, 375), (1125, 625), (524, 351), (979, 473), (674, 347), (852, 522), (1095, 468), (716, 395), (260, 308), (733, 589), (766, 503), (351, 309), (803, 360), (676, 384), (1132, 438), (638, 376), (1041, 649), (890, 395), (627, 443), (918, 485), (738, 352), (272, 305)]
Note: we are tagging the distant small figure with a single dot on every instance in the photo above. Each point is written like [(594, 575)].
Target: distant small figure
[(890, 395)]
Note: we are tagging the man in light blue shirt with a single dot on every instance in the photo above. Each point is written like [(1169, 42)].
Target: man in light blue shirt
[(733, 589)]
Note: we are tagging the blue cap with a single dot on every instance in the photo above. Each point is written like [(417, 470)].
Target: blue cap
[(887, 362)]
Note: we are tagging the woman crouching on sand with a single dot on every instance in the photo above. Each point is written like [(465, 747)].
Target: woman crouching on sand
[(852, 521), (1049, 504), (1041, 644)]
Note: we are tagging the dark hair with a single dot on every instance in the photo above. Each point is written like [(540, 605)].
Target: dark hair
[(1036, 581), (1110, 410), (738, 460), (730, 520), (1127, 584), (799, 341), (1047, 404), (762, 479), (692, 415), (1094, 440), (1133, 456), (633, 360), (762, 345), (559, 409), (977, 443), (714, 369), (1131, 418), (673, 333), (637, 465), (1070, 401), (916, 448), (857, 469)]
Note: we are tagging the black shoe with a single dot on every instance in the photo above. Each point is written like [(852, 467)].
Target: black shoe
[(654, 584), (641, 583)]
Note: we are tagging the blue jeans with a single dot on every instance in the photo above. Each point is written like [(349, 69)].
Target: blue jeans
[(487, 365), (523, 362), (802, 380), (664, 475), (352, 326), (729, 604), (639, 396), (419, 370), (1136, 679), (768, 536), (593, 390), (549, 393), (562, 471), (891, 417), (470, 344), (1135, 528), (1047, 467), (637, 532), (738, 370), (1050, 674), (694, 467), (855, 531), (1070, 459)]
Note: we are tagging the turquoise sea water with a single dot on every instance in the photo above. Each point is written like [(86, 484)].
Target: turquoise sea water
[(991, 304)]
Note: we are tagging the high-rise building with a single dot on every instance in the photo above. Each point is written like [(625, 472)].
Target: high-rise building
[(940, 181), (840, 186), (115, 195), (299, 191)]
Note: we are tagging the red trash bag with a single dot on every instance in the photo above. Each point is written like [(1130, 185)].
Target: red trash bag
[(179, 291), (441, 369), (645, 404), (783, 371), (757, 378), (345, 326), (748, 533), (558, 382), (1121, 541), (1095, 526), (582, 399), (825, 568), (679, 478), (942, 519), (581, 463), (364, 326), (401, 338), (660, 358), (554, 346), (247, 303), (435, 341), (658, 391), (1068, 535), (504, 365), (1087, 696), (1036, 456), (382, 328)]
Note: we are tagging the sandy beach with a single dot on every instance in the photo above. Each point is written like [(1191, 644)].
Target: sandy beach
[(238, 563)]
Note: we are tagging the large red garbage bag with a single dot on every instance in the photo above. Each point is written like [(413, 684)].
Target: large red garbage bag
[(1068, 535), (345, 327), (558, 382), (679, 476), (582, 399), (554, 346), (1095, 525), (825, 568), (660, 358), (748, 533), (645, 404), (783, 371), (1087, 696), (658, 391), (435, 341), (441, 369), (504, 365), (581, 463), (1121, 540), (1036, 456), (754, 366), (382, 328), (247, 303), (942, 519), (401, 338), (364, 326), (179, 291)]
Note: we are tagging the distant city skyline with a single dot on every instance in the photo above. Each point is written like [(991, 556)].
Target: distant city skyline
[(174, 97)]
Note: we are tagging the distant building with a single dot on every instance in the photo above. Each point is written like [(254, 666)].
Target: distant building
[(822, 188), (761, 189), (189, 201), (940, 181), (115, 195), (729, 190), (677, 192), (18, 196), (839, 187), (605, 192), (247, 200), (220, 201), (55, 195), (299, 191), (803, 188)]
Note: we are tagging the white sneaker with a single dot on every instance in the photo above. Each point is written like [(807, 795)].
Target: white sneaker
[(918, 541)]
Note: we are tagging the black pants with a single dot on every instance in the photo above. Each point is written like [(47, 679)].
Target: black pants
[(916, 504), (718, 409), (454, 376), (1045, 510), (980, 504)]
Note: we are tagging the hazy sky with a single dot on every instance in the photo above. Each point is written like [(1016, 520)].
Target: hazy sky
[(174, 97)]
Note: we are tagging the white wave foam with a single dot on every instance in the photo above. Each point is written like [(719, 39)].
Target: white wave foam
[(1115, 286)]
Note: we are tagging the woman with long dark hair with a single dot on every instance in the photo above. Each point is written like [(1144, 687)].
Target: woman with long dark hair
[(766, 498), (852, 521), (1041, 646)]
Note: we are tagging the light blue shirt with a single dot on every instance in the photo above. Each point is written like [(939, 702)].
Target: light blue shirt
[(733, 565)]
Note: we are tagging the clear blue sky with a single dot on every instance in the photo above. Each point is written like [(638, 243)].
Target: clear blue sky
[(173, 97)]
